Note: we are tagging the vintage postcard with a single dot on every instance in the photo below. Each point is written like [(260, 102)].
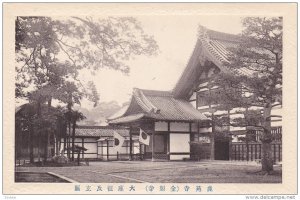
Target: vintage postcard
[(150, 98)]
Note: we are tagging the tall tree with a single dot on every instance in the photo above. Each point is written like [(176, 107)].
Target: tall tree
[(51, 51), (253, 79), (50, 54)]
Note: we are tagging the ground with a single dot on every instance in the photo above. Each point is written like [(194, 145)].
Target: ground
[(162, 172)]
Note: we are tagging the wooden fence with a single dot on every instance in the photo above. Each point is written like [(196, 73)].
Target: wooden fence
[(252, 151)]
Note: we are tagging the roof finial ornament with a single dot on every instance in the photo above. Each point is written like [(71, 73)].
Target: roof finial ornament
[(202, 32)]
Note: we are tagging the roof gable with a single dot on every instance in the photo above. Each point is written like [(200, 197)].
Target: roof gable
[(212, 46)]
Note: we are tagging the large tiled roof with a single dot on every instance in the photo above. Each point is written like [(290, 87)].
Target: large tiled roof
[(159, 105), (127, 119), (99, 131), (211, 45)]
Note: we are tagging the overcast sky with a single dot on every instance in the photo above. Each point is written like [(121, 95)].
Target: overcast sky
[(176, 37)]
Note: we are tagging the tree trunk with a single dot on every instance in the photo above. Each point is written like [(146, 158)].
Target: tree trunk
[(247, 147), (46, 145), (30, 143), (65, 142), (39, 112), (39, 146), (69, 106), (267, 160), (68, 141), (73, 139)]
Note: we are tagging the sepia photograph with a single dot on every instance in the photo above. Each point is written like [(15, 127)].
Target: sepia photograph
[(172, 103)]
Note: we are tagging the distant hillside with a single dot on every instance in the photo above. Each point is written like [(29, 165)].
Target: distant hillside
[(99, 114)]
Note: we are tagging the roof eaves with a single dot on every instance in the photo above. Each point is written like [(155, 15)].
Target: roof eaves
[(127, 119)]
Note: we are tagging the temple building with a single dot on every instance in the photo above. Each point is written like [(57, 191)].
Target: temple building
[(179, 121), (163, 125)]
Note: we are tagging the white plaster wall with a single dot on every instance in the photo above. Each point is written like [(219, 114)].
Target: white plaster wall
[(203, 84), (203, 89), (90, 139), (238, 115), (78, 140), (277, 123), (231, 128), (277, 110), (136, 147), (100, 149), (193, 96), (221, 112), (179, 126), (234, 110), (91, 147), (205, 130), (193, 99), (255, 108), (179, 142), (161, 126), (202, 107), (90, 156), (113, 150), (178, 157), (193, 103)]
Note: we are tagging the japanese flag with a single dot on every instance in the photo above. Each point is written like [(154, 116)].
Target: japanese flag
[(118, 141), (144, 137)]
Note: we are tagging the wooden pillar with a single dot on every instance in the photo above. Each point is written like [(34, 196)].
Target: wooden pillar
[(230, 147), (107, 151), (140, 151), (82, 144), (130, 143), (212, 139), (213, 128), (191, 137), (153, 144), (168, 142)]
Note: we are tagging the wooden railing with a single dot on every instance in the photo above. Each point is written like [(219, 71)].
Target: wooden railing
[(252, 151)]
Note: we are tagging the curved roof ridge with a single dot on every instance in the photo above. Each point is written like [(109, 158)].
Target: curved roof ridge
[(206, 42), (188, 64), (143, 101), (211, 45), (156, 92), (217, 35)]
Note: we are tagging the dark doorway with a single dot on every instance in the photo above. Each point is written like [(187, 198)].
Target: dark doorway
[(221, 150)]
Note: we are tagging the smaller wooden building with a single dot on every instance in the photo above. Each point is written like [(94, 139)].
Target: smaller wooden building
[(171, 123), (99, 142)]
